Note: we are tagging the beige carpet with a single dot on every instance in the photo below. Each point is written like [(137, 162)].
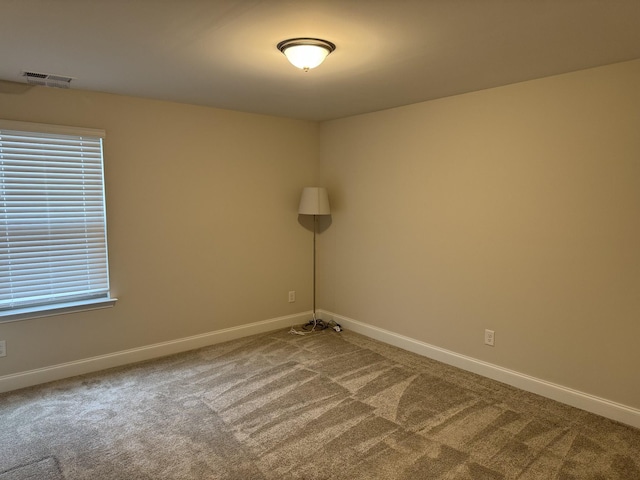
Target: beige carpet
[(323, 406)]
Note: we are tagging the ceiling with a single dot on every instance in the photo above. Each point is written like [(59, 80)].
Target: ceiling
[(222, 53)]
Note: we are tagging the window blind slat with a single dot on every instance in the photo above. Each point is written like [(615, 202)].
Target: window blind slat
[(53, 245), (36, 267), (34, 284)]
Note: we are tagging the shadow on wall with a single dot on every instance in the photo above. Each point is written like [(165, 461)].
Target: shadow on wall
[(324, 222), (14, 88)]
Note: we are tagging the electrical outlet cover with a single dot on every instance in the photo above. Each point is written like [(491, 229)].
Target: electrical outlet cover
[(489, 337)]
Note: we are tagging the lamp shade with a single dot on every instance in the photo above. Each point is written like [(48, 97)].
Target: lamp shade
[(314, 201)]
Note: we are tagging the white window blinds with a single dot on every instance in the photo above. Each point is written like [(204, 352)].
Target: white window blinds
[(53, 244)]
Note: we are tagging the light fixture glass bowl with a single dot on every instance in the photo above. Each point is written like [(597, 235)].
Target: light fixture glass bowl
[(306, 53)]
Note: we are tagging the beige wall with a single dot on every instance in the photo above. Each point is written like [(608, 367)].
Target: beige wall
[(515, 209), (202, 222)]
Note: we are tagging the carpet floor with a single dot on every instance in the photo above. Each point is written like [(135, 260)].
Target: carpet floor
[(322, 406)]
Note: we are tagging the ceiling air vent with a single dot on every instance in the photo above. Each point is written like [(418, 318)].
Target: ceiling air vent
[(47, 79)]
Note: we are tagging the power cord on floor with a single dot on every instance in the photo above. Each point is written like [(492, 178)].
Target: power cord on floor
[(316, 325), (334, 325)]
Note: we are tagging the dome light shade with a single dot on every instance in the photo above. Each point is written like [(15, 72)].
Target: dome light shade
[(306, 53)]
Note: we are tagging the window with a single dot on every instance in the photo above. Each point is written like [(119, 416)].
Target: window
[(53, 237)]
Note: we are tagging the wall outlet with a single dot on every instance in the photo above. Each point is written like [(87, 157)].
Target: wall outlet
[(292, 296), (3, 348), (489, 337)]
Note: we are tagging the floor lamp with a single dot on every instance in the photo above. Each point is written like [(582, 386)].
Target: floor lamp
[(314, 201)]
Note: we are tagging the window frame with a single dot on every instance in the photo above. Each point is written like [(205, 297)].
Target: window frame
[(105, 300)]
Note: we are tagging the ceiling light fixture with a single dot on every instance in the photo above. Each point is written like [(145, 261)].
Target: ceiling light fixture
[(306, 53)]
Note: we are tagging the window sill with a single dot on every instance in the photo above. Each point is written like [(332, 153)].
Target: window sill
[(57, 309)]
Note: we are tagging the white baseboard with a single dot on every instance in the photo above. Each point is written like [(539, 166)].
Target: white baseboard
[(116, 359), (575, 398), (569, 396)]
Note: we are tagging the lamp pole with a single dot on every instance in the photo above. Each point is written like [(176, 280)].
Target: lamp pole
[(315, 225)]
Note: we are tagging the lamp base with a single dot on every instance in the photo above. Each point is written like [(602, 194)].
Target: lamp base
[(315, 324)]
